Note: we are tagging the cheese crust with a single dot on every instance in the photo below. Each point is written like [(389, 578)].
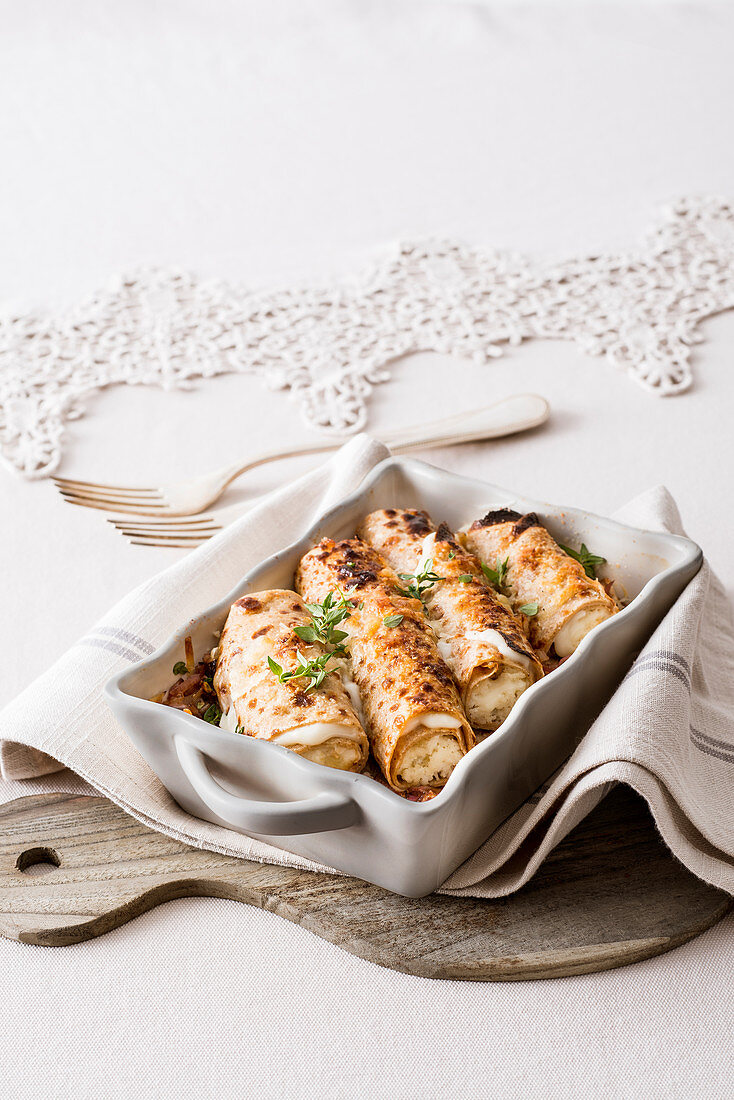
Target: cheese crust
[(479, 637), (413, 715), (570, 604), (322, 724)]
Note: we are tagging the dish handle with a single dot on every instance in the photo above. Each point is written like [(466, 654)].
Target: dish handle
[(325, 811)]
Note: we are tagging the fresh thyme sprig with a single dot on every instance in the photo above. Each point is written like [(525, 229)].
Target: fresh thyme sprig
[(497, 576), (212, 714), (419, 582), (325, 618), (393, 620), (322, 630), (313, 669), (589, 561)]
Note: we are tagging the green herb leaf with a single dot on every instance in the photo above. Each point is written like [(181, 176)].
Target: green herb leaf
[(325, 618), (419, 582), (239, 729), (497, 576), (275, 668), (465, 578), (212, 714), (589, 561), (393, 620), (452, 555), (180, 668), (529, 609), (314, 670)]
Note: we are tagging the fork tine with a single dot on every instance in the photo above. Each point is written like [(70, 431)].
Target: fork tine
[(83, 494), (118, 509), (189, 533), (166, 523), (173, 538), (95, 485), (172, 543)]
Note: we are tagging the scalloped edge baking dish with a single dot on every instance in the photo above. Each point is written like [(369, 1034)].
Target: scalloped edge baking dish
[(349, 821)]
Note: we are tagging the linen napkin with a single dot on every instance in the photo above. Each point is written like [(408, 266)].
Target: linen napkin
[(668, 731)]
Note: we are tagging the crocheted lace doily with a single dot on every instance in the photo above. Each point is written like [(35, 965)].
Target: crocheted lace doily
[(328, 345)]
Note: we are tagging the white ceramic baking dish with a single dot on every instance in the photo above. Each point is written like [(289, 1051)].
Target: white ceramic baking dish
[(350, 821)]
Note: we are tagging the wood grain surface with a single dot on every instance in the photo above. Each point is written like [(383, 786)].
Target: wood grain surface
[(610, 894)]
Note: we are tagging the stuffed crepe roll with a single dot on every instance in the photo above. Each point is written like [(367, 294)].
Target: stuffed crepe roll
[(570, 603), (478, 636), (417, 729), (320, 722)]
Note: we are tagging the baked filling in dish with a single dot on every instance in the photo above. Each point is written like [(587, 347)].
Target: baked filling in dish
[(401, 648)]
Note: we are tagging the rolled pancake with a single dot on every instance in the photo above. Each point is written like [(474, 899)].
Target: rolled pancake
[(417, 729), (478, 636), (320, 724), (570, 604)]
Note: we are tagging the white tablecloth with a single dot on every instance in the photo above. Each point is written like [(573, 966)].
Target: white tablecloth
[(269, 142)]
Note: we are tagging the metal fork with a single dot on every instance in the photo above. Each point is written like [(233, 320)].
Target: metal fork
[(185, 536), (189, 498), (178, 533)]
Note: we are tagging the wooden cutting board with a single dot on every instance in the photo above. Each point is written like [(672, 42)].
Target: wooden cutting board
[(610, 894)]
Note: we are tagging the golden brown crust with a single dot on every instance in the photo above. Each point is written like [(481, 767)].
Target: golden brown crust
[(538, 571), (462, 603), (262, 626), (399, 671)]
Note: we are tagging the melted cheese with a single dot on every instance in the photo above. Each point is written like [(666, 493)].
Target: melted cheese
[(573, 632), (491, 699), (352, 691), (494, 638), (428, 546), (313, 733), (228, 721), (433, 722)]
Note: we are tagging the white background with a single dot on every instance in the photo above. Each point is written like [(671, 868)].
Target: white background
[(280, 141)]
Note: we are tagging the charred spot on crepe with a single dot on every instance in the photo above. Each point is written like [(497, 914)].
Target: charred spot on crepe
[(359, 568), (441, 672), (417, 523), (355, 578), (498, 515), (445, 534), (259, 633), (524, 523), (249, 603), (300, 699)]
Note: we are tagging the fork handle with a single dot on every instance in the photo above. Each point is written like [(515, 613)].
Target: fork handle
[(513, 414)]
